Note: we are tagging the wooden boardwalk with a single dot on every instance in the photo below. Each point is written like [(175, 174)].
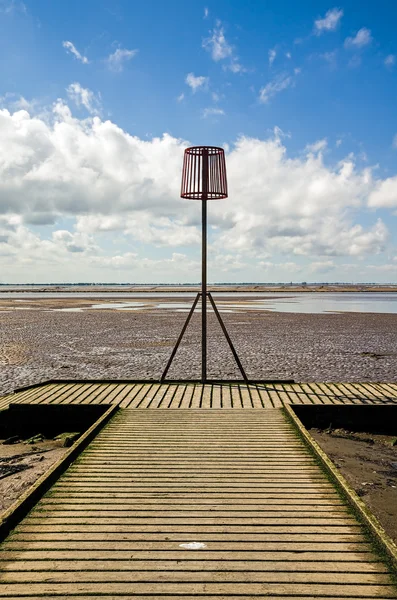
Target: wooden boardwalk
[(187, 395), (209, 501), (239, 485)]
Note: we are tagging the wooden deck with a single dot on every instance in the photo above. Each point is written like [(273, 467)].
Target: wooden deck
[(121, 521), (239, 482), (187, 395)]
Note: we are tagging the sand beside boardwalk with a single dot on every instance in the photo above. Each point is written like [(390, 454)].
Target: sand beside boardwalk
[(40, 344)]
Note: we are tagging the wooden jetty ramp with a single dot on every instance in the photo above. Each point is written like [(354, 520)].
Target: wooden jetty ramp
[(193, 503), (196, 395)]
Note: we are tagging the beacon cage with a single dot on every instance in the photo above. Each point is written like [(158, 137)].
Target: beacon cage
[(204, 173)]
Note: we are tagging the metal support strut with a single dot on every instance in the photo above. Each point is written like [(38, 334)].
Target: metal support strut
[(221, 323)]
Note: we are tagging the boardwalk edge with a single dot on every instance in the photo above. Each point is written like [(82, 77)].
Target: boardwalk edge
[(20, 508), (379, 535)]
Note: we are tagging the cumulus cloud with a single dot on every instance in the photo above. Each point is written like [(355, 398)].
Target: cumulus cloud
[(330, 22), (71, 49), (384, 194), (117, 59), (196, 83), (362, 38), (111, 183), (309, 207), (84, 97), (390, 61)]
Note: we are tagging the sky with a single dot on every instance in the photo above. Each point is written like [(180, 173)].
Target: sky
[(100, 98)]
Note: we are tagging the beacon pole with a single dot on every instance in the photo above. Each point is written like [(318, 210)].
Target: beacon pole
[(204, 178), (204, 268)]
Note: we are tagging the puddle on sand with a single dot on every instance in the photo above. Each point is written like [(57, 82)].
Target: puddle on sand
[(119, 305), (308, 303)]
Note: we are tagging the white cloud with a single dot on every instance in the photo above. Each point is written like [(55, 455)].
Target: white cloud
[(390, 60), (132, 262), (272, 55), (308, 206), (206, 13), (324, 266), (288, 55), (15, 102), (277, 85), (362, 38), (180, 97), (217, 44), (384, 194), (117, 186), (220, 49), (212, 112), (394, 143), (117, 59), (84, 97), (330, 22), (71, 48), (195, 83), (318, 146), (330, 58), (235, 66)]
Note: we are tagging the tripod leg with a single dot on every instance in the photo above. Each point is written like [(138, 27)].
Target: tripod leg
[(221, 323), (180, 337)]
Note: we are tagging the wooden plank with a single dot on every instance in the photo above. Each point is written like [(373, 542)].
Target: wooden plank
[(216, 397), (197, 529), (196, 397), (177, 399), (138, 398), (15, 539), (126, 394), (274, 566), (167, 399), (178, 588), (211, 577), (185, 555), (187, 397)]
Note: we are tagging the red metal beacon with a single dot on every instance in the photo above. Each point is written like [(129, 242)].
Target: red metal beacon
[(204, 178)]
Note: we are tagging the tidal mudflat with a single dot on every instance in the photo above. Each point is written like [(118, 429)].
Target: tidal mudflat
[(40, 340)]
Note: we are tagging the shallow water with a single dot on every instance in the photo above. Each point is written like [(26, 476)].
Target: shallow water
[(307, 303)]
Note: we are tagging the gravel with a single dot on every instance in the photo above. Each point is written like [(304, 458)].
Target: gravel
[(41, 344)]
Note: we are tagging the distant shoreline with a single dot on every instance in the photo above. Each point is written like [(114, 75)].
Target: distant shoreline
[(318, 288)]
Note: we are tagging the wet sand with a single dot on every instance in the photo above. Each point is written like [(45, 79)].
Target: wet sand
[(29, 462), (40, 343), (370, 466)]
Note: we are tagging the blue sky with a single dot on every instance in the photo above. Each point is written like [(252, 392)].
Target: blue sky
[(98, 100)]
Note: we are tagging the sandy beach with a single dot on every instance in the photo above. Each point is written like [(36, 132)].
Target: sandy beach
[(39, 342)]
